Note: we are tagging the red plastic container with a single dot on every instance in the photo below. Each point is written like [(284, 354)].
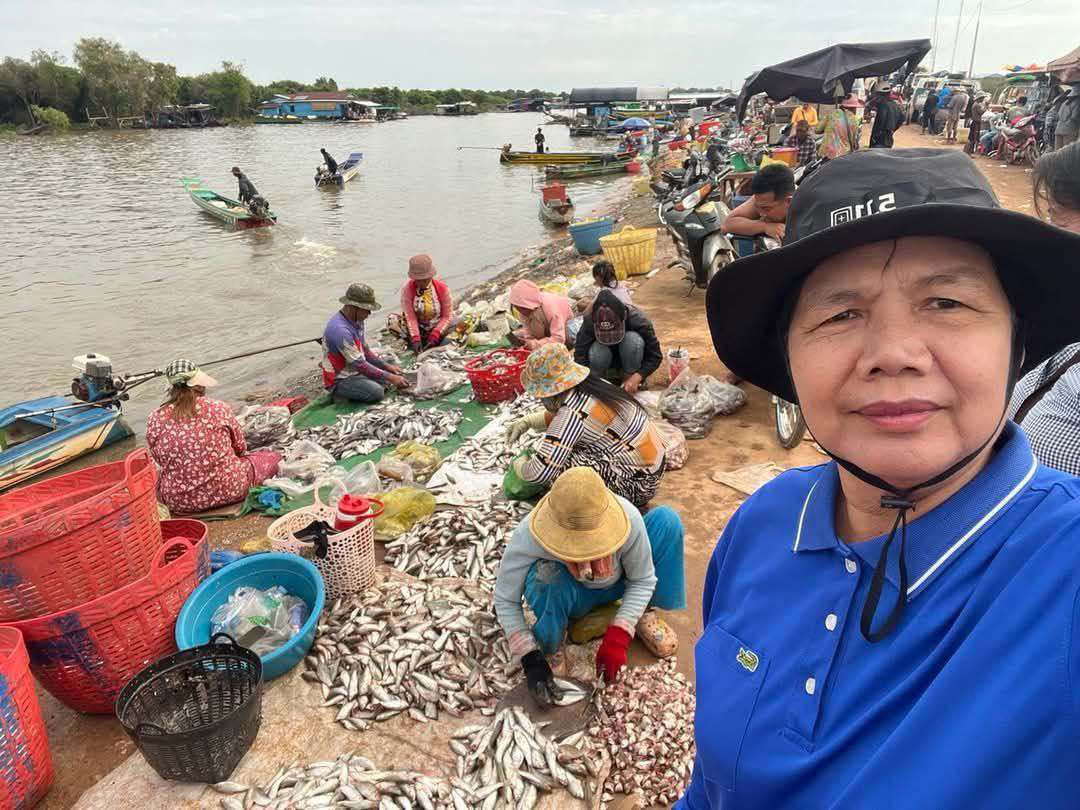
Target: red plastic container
[(496, 376), (351, 509), (70, 539), (26, 768), (554, 191), (84, 656), (633, 167)]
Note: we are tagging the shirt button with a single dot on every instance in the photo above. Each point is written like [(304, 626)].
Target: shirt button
[(811, 685), (850, 565), (830, 622)]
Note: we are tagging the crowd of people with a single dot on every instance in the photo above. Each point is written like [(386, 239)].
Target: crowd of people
[(864, 619)]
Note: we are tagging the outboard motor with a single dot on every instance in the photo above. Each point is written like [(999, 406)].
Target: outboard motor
[(259, 207)]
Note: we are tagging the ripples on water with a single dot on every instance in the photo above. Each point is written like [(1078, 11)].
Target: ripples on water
[(103, 251)]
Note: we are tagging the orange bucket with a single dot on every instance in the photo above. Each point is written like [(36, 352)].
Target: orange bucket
[(788, 154)]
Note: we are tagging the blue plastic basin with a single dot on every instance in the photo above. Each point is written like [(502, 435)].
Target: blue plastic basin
[(295, 574), (587, 234)]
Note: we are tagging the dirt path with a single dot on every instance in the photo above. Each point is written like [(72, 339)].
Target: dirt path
[(86, 749)]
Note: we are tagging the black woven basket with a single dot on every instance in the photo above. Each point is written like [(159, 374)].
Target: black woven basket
[(195, 714)]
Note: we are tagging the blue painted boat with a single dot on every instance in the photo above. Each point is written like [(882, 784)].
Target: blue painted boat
[(346, 171), (41, 434)]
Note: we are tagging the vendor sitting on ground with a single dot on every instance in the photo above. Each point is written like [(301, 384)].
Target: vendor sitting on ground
[(198, 446), (351, 370), (765, 212), (580, 548), (804, 142), (543, 316), (589, 423), (426, 305), (613, 335)]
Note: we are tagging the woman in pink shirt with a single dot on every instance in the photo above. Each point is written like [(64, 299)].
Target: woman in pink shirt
[(543, 315), (199, 447), (426, 305)]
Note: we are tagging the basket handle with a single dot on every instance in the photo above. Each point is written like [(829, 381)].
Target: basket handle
[(140, 456), (185, 544), (214, 639)]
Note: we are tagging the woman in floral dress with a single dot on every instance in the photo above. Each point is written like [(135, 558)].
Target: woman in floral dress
[(199, 447)]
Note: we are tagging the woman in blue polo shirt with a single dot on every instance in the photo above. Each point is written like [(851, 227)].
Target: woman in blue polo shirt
[(899, 627)]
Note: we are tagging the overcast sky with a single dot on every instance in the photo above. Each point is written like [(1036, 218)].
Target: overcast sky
[(552, 45)]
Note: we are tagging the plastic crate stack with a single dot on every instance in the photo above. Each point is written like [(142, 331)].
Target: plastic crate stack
[(91, 583)]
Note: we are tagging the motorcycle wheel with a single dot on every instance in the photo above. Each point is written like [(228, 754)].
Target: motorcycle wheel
[(790, 425), (721, 260)]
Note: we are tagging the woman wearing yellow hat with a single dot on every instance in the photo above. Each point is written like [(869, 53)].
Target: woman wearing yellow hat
[(580, 548), (588, 422)]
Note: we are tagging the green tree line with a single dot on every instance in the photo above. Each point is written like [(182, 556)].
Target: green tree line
[(105, 80)]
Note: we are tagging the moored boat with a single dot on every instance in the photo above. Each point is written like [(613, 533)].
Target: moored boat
[(346, 171), (558, 158), (577, 172), (556, 208), (278, 119), (227, 210), (41, 434)]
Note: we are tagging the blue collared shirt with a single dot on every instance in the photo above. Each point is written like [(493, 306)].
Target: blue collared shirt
[(973, 701)]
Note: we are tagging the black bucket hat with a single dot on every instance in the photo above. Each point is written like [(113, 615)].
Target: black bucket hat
[(879, 194)]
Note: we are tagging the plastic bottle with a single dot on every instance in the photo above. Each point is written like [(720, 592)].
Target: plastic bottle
[(351, 509)]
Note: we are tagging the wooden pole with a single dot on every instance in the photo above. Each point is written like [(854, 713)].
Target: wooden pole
[(933, 42), (975, 42), (956, 39)]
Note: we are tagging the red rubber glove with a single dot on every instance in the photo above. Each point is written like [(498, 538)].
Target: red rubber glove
[(433, 338), (611, 657)]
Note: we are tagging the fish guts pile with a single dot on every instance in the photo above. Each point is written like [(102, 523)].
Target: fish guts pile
[(413, 648), (646, 723), (460, 542)]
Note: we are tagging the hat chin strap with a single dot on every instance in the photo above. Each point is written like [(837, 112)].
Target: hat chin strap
[(901, 500)]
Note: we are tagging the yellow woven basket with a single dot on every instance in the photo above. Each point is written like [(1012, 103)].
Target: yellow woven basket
[(631, 250)]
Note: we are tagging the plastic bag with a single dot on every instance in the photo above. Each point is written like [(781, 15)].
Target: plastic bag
[(675, 447), (515, 487), (260, 620), (395, 469), (305, 466), (402, 508), (422, 458), (433, 381), (363, 479), (693, 400)]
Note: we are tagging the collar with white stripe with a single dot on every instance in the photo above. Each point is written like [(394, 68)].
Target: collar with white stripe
[(936, 538)]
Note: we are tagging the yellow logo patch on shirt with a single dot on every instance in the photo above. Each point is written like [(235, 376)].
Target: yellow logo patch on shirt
[(748, 658)]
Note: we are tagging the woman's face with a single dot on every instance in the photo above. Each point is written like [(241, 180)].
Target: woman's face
[(422, 283), (900, 353)]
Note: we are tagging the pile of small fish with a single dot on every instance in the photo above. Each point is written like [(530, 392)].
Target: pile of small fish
[(448, 358), (646, 723), (494, 453), (460, 542), (510, 761), (267, 428), (350, 781), (391, 422), (418, 648)]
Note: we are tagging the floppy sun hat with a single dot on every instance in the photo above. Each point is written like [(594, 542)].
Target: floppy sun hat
[(551, 370), (579, 520), (362, 296), (882, 194)]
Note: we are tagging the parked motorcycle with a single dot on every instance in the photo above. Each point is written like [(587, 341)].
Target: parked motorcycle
[(1020, 143), (694, 216)]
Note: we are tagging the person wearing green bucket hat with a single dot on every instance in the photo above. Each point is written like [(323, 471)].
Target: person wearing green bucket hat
[(587, 422), (900, 625), (351, 370)]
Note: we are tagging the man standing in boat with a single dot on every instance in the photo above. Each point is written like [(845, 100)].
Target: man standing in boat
[(248, 192), (539, 138), (331, 164)]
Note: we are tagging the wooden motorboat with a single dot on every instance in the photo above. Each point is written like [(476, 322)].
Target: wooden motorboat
[(41, 434), (574, 172), (229, 211), (556, 208), (278, 119), (346, 171), (560, 158)]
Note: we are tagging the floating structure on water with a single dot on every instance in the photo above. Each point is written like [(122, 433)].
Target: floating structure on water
[(460, 108)]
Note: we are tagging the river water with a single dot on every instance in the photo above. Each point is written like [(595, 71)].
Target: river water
[(103, 251)]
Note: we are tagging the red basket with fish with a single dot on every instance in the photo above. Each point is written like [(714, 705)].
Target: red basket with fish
[(84, 656), (496, 375), (26, 768), (67, 540)]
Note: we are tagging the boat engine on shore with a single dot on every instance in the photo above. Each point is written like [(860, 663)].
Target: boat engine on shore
[(95, 382)]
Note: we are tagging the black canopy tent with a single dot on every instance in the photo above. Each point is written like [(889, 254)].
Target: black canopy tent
[(823, 75), (581, 96)]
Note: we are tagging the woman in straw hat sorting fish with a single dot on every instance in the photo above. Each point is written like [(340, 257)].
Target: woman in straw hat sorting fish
[(587, 422), (899, 627), (580, 548)]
